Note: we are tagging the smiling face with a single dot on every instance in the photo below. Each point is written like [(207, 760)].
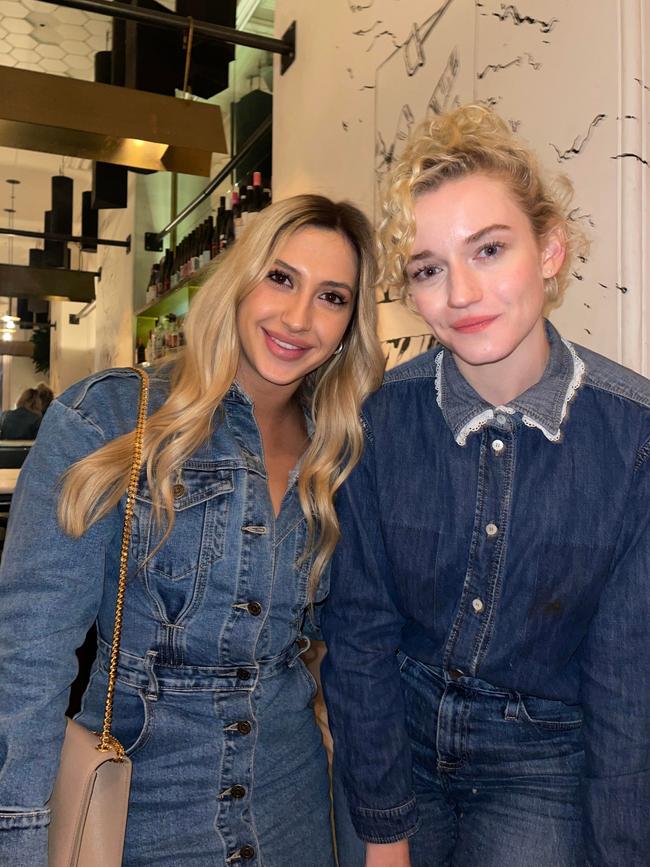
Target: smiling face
[(295, 318), (476, 275)]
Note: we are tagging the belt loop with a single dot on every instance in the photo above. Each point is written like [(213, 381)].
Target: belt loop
[(302, 646), (513, 707), (152, 690)]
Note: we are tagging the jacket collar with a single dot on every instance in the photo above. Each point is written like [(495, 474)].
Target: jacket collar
[(543, 406)]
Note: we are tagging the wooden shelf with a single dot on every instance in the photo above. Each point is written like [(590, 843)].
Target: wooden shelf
[(177, 300)]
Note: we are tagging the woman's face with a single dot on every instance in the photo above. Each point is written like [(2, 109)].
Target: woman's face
[(295, 318), (476, 275)]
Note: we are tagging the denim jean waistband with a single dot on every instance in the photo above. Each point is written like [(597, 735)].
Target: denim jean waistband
[(138, 671), (463, 681)]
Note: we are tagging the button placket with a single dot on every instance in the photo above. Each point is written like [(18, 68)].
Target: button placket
[(474, 622)]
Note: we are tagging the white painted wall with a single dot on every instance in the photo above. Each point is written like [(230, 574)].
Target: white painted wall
[(569, 76), (72, 347), (114, 292)]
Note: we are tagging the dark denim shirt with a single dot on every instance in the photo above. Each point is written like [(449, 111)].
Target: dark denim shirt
[(540, 510)]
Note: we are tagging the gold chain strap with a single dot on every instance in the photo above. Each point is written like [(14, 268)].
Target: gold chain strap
[(107, 741)]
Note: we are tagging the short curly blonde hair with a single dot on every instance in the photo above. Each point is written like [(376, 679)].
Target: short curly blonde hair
[(471, 140)]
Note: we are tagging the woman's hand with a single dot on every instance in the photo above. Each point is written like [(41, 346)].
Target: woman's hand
[(388, 854)]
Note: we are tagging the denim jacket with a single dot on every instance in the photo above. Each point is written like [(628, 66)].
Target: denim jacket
[(509, 543), (224, 596)]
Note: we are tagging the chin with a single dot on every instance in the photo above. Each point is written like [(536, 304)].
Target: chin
[(482, 356)]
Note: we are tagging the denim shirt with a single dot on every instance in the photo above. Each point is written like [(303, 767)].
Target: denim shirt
[(509, 543), (226, 593)]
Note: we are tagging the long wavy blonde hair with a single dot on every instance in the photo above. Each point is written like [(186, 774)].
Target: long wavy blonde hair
[(203, 373), (472, 140)]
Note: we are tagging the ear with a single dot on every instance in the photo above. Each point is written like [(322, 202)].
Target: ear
[(553, 252)]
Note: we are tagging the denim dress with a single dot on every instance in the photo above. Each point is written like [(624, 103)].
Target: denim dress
[(213, 703)]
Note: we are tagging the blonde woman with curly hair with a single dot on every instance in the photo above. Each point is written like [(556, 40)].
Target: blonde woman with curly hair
[(250, 433), (489, 615)]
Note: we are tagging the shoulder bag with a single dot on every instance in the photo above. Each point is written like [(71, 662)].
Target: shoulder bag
[(90, 798)]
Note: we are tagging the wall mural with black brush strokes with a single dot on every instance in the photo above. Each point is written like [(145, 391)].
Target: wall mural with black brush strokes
[(427, 73), (548, 68), (567, 75)]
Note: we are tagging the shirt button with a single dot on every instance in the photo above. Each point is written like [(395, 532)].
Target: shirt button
[(491, 530), (237, 792), (247, 852), (500, 418), (244, 727), (497, 446), (477, 605), (254, 608), (178, 491), (242, 674)]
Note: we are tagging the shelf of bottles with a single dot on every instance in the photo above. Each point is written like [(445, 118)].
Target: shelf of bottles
[(179, 274)]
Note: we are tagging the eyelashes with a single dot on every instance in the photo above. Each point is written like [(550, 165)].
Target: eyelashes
[(280, 277), (492, 245), (488, 250), (426, 270), (330, 296)]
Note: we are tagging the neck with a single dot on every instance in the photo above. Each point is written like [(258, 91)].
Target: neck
[(500, 382), (273, 403)]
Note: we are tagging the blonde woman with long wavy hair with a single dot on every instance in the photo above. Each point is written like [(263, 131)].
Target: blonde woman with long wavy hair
[(489, 616), (250, 433)]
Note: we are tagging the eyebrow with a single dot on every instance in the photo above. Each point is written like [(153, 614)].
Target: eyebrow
[(334, 284), (471, 239), (495, 227)]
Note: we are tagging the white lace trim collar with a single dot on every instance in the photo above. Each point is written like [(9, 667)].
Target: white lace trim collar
[(482, 418)]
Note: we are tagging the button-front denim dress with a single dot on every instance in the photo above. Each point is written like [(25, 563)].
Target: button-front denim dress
[(213, 703)]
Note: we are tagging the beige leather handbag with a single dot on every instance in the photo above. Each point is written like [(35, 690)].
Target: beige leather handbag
[(90, 798)]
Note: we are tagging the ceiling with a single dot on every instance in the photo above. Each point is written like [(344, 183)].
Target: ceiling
[(47, 37)]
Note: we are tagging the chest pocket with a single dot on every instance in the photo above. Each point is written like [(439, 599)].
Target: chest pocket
[(201, 503)]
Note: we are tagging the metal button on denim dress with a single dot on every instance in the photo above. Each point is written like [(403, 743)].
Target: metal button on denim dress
[(212, 700)]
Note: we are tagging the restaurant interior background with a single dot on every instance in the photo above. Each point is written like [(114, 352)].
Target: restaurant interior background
[(570, 76)]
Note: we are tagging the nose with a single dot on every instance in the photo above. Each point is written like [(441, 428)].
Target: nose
[(464, 287), (297, 312)]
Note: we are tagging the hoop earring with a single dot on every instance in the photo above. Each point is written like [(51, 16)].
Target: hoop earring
[(339, 350)]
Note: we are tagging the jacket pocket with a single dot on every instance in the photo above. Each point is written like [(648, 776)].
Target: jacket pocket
[(202, 501)]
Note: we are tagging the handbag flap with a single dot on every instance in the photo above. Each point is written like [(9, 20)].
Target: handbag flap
[(88, 804)]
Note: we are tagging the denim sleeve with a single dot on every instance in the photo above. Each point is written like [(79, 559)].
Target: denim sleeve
[(362, 626), (50, 587), (616, 697)]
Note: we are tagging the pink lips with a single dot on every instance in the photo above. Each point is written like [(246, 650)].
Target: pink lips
[(284, 348), (472, 324)]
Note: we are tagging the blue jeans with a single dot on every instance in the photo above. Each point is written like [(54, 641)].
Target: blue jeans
[(496, 774)]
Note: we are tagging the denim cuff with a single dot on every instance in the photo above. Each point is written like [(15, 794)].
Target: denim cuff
[(18, 819), (386, 826)]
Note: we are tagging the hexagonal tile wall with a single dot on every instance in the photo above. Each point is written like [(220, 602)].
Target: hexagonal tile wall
[(50, 38)]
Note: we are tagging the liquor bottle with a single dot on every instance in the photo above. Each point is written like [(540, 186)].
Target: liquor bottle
[(197, 249), (207, 242), (250, 201), (258, 192), (214, 240), (236, 214), (243, 205)]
